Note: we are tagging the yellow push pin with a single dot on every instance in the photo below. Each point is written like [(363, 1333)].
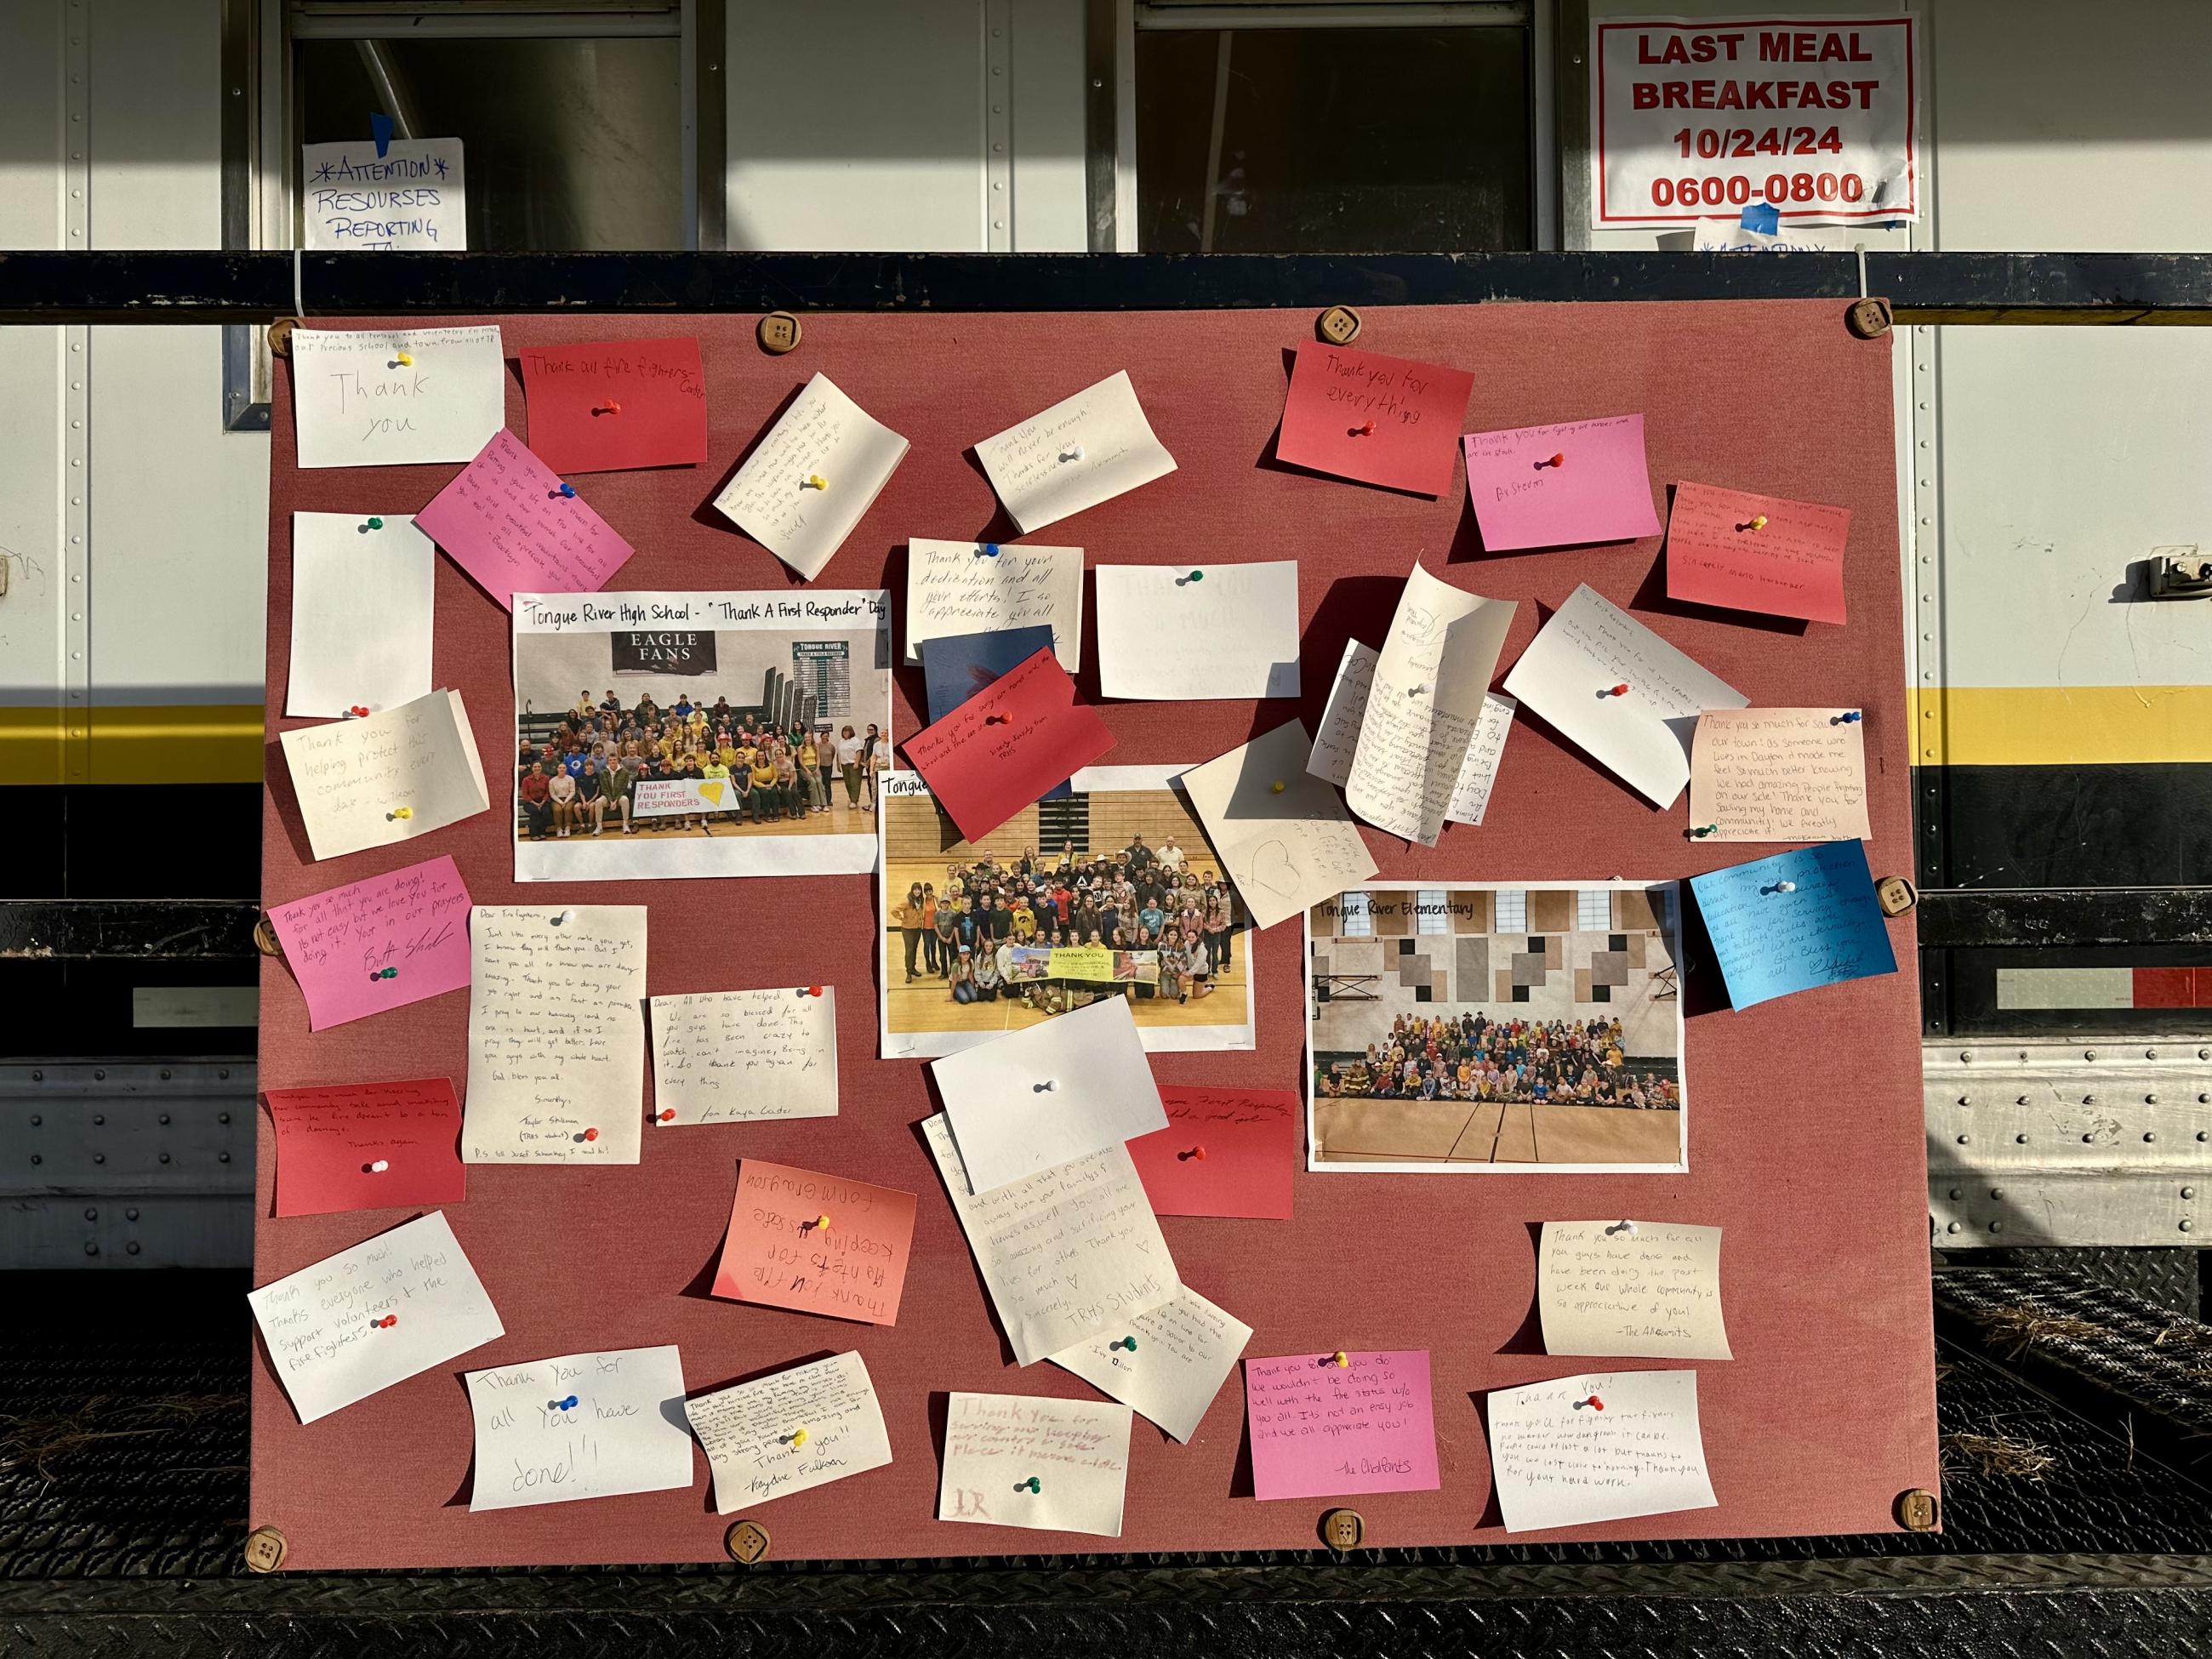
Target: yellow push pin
[(815, 481), (404, 359), (1758, 522), (1279, 786), (1340, 1359), (399, 812), (821, 1223), (797, 1438)]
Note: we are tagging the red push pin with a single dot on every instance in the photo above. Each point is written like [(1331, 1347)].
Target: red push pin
[(1593, 1402), (357, 712), (609, 407), (1620, 690), (385, 1323), (998, 719), (1196, 1153), (589, 1134), (1366, 431), (809, 990), (1556, 461), (668, 1114)]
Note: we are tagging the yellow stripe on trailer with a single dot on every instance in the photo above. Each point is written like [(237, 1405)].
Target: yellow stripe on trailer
[(216, 743), (2062, 725)]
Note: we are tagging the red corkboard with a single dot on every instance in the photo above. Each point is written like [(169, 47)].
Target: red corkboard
[(1805, 1135)]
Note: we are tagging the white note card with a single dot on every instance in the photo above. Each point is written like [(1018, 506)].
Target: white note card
[(1648, 1289), (1610, 686), (1050, 1465), (396, 396), (744, 1056), (1282, 833), (807, 483), (557, 1033), (1066, 1254), (983, 587), (412, 198), (389, 778), (791, 1431), (1426, 696), (1339, 737), (1193, 633), (1050, 1092), (1557, 1460), (1478, 773), (1168, 1363), (580, 1425), (1083, 450), (356, 1322), (363, 587)]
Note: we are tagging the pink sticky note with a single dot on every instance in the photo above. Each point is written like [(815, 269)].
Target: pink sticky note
[(1321, 1430), (505, 521), (1225, 1152), (816, 1242), (1730, 547), (378, 943), (1007, 745), (1555, 486), (1388, 420), (368, 1146)]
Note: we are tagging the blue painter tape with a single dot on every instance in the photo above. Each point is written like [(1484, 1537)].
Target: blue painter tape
[(1764, 218), (379, 128)]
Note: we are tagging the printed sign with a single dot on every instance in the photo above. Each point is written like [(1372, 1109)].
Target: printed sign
[(1814, 117), (670, 651), (661, 797)]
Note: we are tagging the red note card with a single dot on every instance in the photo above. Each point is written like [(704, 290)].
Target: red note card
[(378, 943), (1387, 421), (1730, 547), (1225, 1152), (1321, 1430), (1007, 745), (505, 521), (1555, 486), (816, 1242), (368, 1146), (617, 403)]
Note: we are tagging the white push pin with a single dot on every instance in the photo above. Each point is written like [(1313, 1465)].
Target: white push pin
[(1072, 452), (1786, 887), (379, 1166), (1046, 1087), (1621, 1229)]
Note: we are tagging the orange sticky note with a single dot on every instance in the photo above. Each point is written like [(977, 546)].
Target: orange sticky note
[(779, 1253), (1747, 552)]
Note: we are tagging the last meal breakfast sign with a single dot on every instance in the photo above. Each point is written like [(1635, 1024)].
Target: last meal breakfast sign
[(1814, 117)]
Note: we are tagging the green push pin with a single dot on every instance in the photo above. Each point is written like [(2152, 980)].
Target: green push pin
[(374, 523), (1710, 830), (1032, 1485), (392, 973), (1195, 576), (1128, 1342)]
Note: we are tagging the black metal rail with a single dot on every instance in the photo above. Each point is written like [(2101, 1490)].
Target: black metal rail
[(2158, 289)]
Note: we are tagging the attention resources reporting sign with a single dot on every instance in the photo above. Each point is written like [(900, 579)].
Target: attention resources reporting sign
[(1814, 117)]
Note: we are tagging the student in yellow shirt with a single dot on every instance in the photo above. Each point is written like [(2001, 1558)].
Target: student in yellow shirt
[(714, 771), (810, 773), (1024, 919), (768, 799)]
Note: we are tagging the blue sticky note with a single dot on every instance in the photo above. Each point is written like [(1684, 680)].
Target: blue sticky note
[(1826, 927), (955, 666), (1764, 218), (379, 128)]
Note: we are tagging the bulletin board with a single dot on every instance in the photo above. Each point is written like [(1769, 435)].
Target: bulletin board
[(1804, 1125)]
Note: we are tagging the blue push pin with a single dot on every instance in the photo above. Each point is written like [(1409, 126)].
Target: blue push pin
[(568, 489), (987, 550), (1848, 717), (568, 1405)]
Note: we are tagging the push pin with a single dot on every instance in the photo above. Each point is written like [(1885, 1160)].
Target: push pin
[(666, 1115), (402, 813), (358, 712), (987, 550), (403, 360), (568, 1405), (1195, 576), (389, 972), (1620, 690), (820, 1225), (1340, 1360), (1786, 886), (567, 491), (795, 1439), (588, 1135), (1277, 787), (1043, 1088), (998, 719), (1848, 717), (1704, 829), (378, 1167), (1757, 521), (609, 407), (565, 915), (1032, 1485), (385, 1323), (1195, 1155), (1072, 452), (372, 523), (809, 991), (1418, 691), (814, 480), (1621, 1227), (1556, 461), (1128, 1342), (1365, 431), (1593, 1402)]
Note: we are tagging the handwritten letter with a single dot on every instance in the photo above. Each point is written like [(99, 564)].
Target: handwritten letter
[(377, 944), (978, 588), (744, 1056), (1641, 735), (580, 1425), (752, 1432), (388, 778), (1338, 740), (356, 402), (1067, 1254), (1429, 685), (809, 480), (366, 1146), (356, 1322), (505, 521), (1229, 631), (557, 1033), (1779, 774), (1556, 486), (1050, 1465), (1386, 420), (816, 1242), (1083, 450), (1321, 1430), (1007, 745), (604, 406), (1225, 1152), (1478, 771), (1728, 547), (1283, 835), (1557, 1460), (1795, 922), (362, 603), (1168, 1363), (1645, 1288)]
